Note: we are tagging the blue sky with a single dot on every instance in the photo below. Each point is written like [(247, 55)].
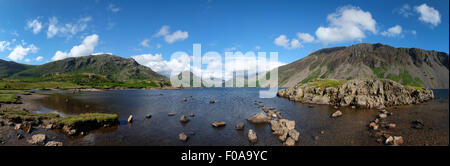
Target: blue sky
[(129, 29)]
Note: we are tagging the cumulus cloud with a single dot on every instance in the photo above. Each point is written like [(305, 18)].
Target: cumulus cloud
[(113, 8), (67, 29), (20, 52), (171, 38), (144, 43), (283, 41), (305, 37), (213, 69), (348, 23), (39, 58), (428, 14), (84, 49), (35, 25), (393, 31)]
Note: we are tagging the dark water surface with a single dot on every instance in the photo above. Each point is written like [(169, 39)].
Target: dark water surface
[(234, 105)]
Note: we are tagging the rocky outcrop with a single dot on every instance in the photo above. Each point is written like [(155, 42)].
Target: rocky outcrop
[(362, 93)]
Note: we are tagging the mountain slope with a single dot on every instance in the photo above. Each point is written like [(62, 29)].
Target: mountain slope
[(8, 68), (110, 66), (409, 66)]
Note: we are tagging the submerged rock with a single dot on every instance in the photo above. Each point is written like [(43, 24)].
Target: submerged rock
[(361, 93), (239, 126), (130, 119), (184, 119)]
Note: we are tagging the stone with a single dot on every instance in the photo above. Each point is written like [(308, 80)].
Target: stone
[(18, 126), (130, 119), (294, 134), (72, 132), (382, 115), (148, 116), (392, 126), (373, 125), (389, 140), (184, 119), (239, 126), (398, 140), (259, 118), (54, 143), (182, 137), (322, 132), (20, 136), (218, 124), (171, 114), (289, 142), (252, 136), (212, 101), (38, 139), (49, 126), (336, 114), (191, 114), (185, 99)]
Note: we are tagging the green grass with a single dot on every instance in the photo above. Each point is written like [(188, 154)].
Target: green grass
[(20, 116), (325, 83), (10, 98), (413, 87), (87, 118), (312, 76), (405, 79), (379, 71), (15, 92)]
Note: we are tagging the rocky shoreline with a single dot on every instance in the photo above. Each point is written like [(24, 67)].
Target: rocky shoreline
[(361, 93)]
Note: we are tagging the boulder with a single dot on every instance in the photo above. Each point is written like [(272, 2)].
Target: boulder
[(38, 139), (398, 140), (259, 118), (191, 114), (212, 101), (294, 134), (171, 114), (392, 126), (239, 126), (289, 142), (18, 126), (184, 119), (182, 137), (148, 116), (54, 143), (218, 124), (382, 115), (336, 114), (252, 136)]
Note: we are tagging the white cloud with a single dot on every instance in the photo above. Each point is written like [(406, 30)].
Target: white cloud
[(405, 10), (180, 64), (20, 52), (393, 31), (257, 48), (305, 37), (283, 41), (347, 24), (39, 58), (414, 32), (84, 49), (144, 43), (171, 38), (27, 60), (428, 14), (113, 8), (4, 45), (35, 25), (68, 29)]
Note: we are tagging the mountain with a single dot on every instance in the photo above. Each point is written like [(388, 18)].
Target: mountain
[(8, 68), (408, 66), (193, 78), (110, 66)]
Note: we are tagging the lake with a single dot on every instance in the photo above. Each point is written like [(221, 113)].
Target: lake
[(234, 105)]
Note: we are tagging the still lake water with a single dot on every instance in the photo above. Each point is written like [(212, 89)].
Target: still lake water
[(234, 105)]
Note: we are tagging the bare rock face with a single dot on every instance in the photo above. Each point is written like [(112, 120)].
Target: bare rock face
[(259, 118), (362, 93)]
